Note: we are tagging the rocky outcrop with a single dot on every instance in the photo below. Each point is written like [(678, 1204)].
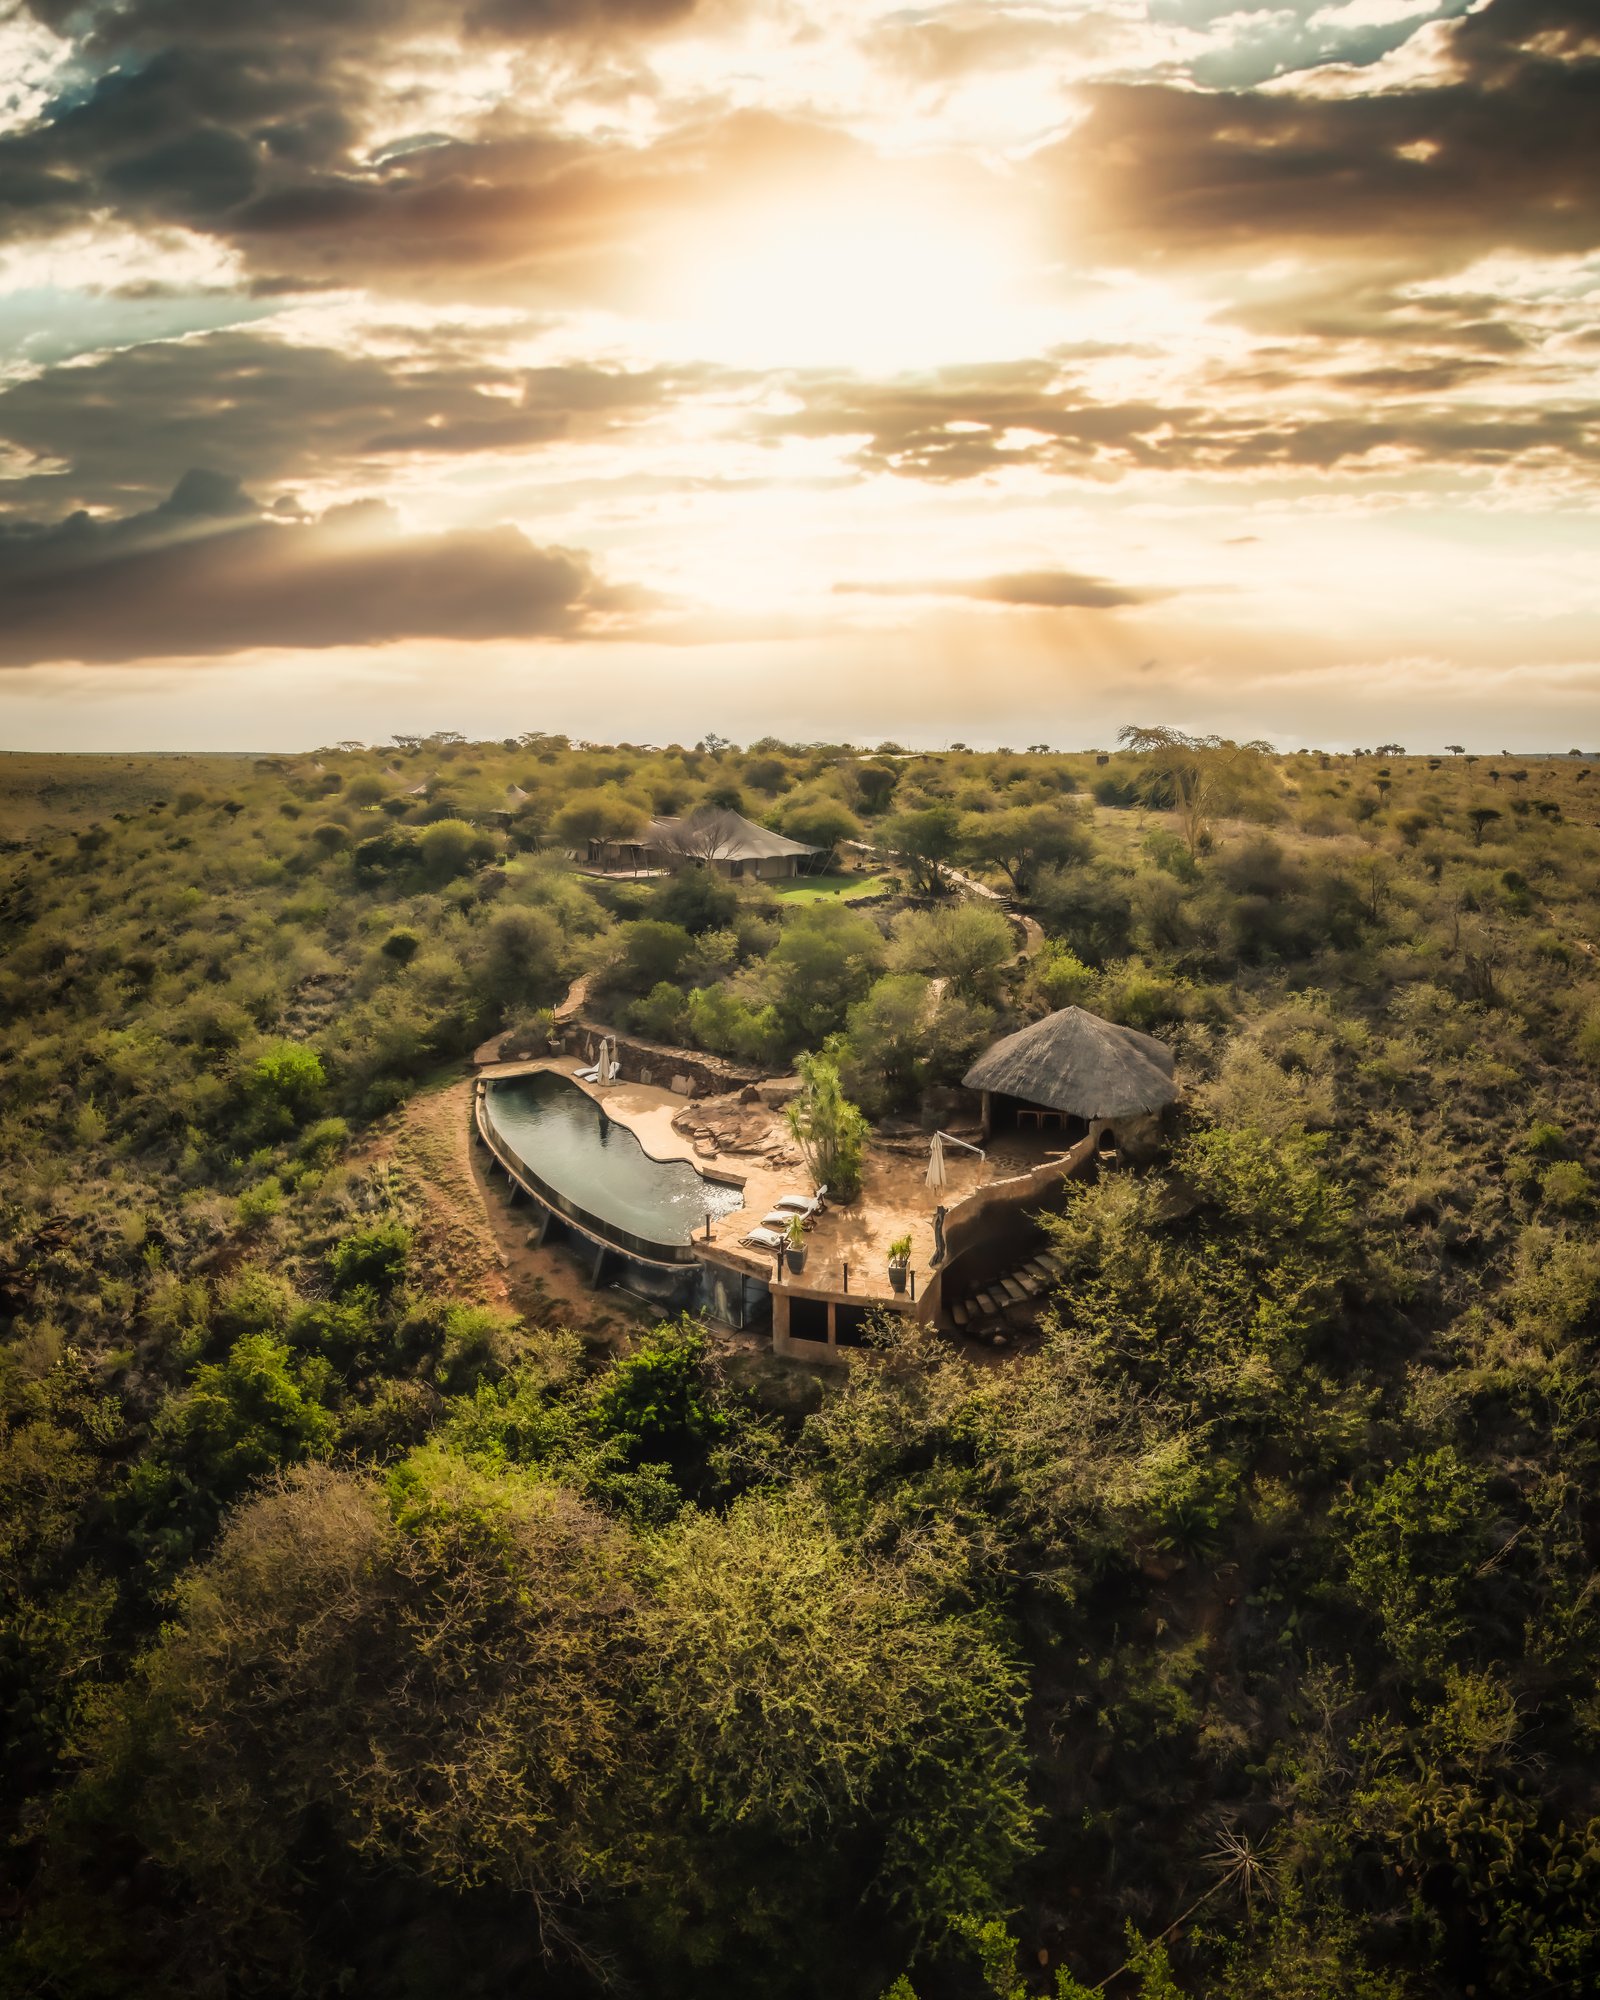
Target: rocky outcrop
[(735, 1128)]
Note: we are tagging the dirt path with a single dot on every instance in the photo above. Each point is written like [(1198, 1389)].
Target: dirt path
[(471, 1242), (568, 1008)]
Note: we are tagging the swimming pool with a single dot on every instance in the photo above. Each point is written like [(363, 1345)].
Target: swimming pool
[(596, 1170)]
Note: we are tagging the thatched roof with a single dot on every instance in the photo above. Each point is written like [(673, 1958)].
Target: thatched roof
[(717, 833), (1076, 1063)]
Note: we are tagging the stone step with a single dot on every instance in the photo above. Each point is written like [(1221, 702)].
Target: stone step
[(959, 1313), (1012, 1290)]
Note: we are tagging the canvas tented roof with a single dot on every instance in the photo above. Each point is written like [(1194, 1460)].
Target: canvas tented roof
[(1074, 1062), (718, 833)]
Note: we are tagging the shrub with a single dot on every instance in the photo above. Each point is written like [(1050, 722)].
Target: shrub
[(728, 1024), (451, 846), (1418, 1537), (259, 1202), (826, 956), (661, 1015), (323, 1142), (651, 952), (655, 1404), (522, 959), (1565, 1185), (284, 1085), (375, 1258)]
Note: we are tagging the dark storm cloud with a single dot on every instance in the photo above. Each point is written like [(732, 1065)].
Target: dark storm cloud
[(131, 25), (1502, 149), (206, 573), (1043, 589), (118, 431), (190, 112), (962, 423)]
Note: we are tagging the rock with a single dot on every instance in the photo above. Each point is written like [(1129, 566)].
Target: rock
[(750, 1094)]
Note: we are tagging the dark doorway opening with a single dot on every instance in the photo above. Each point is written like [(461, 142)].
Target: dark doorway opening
[(808, 1319)]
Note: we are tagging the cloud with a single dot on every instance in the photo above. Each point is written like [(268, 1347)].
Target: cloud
[(119, 430), (959, 424), (206, 573), (1048, 589), (332, 145), (1498, 145)]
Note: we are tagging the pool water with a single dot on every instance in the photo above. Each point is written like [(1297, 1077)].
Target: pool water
[(564, 1137)]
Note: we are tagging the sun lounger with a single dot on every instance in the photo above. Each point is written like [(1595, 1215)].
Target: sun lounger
[(763, 1239), (591, 1075), (803, 1204)]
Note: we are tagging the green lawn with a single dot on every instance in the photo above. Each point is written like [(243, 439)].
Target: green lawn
[(818, 888)]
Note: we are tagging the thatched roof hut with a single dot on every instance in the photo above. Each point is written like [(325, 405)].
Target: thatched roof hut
[(1079, 1065)]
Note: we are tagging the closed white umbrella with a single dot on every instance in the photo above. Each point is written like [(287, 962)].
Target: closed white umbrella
[(936, 1172), (608, 1063)]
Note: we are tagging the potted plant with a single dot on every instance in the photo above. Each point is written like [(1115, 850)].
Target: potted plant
[(899, 1262), (795, 1250)]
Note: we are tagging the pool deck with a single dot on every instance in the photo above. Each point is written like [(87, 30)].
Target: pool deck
[(894, 1200)]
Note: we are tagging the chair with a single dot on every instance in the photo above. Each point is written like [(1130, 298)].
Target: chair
[(590, 1075), (763, 1239), (808, 1205), (780, 1218)]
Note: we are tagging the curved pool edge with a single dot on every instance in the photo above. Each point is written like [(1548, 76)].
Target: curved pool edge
[(604, 1235), (680, 1154)]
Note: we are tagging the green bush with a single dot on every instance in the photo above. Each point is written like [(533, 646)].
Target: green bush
[(375, 1258), (284, 1086)]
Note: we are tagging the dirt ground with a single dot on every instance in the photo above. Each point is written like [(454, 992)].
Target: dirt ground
[(472, 1241)]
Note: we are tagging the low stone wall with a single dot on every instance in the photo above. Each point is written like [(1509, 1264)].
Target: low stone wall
[(690, 1072), (998, 1218)]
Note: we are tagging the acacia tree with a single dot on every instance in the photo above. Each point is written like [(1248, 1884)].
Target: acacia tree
[(966, 945), (1201, 774), (1020, 840), (925, 838)]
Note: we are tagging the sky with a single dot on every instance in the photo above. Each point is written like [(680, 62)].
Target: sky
[(999, 373)]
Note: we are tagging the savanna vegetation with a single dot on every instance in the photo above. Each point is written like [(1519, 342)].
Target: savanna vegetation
[(1239, 1639)]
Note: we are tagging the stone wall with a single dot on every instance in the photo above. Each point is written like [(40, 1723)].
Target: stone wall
[(690, 1072), (984, 1234)]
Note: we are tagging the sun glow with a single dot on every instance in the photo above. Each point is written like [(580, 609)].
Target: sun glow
[(876, 284)]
